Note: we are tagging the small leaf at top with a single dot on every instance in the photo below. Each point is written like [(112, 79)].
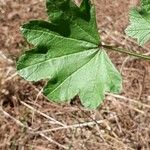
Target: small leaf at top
[(139, 27), (69, 57)]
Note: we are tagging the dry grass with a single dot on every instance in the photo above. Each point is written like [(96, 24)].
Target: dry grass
[(28, 121)]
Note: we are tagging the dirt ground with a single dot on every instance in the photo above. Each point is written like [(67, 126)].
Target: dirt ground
[(28, 121)]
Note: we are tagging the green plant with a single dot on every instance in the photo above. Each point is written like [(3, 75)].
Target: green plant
[(69, 54), (140, 23)]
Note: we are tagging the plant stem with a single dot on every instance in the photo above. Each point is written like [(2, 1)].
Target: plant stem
[(109, 47)]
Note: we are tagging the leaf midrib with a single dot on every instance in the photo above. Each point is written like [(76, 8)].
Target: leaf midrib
[(50, 59), (59, 36), (96, 53)]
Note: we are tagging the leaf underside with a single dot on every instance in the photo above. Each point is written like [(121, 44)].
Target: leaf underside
[(66, 53), (139, 27)]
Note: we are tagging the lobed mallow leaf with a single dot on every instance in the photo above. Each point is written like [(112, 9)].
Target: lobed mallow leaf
[(68, 55), (139, 27)]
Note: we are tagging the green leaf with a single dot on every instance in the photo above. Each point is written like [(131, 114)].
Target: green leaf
[(90, 81), (60, 10), (69, 57), (139, 27), (146, 6), (65, 10)]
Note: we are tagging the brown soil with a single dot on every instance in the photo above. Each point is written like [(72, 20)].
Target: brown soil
[(121, 123)]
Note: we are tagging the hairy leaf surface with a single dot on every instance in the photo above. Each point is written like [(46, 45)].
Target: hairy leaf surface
[(68, 55)]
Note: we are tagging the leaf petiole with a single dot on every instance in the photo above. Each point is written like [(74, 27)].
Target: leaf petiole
[(121, 50)]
